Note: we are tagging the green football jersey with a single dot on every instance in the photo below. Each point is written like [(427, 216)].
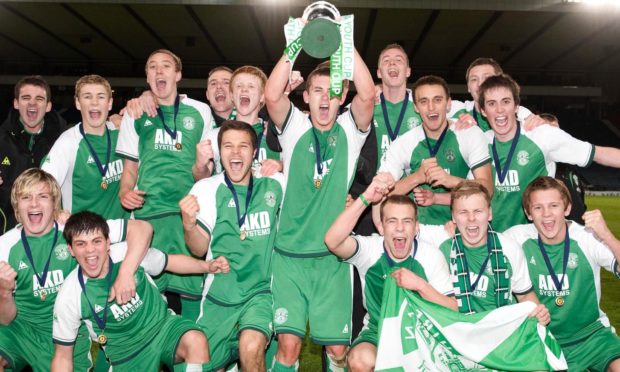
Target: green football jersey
[(534, 155), (250, 257), (484, 293), (34, 301), (460, 152), (374, 266), (308, 211), (574, 308), (411, 119), (74, 167), (165, 168), (128, 327)]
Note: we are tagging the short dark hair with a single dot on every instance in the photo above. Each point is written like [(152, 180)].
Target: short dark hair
[(484, 61), (468, 188), (393, 46), (549, 118), (398, 199), (543, 183), (37, 81), (430, 80), (219, 68), (237, 125), (499, 81), (85, 222)]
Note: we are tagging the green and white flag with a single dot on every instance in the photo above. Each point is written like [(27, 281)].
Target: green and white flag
[(416, 335)]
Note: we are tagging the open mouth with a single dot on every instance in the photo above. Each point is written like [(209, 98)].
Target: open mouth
[(501, 120), (244, 101), (399, 243), (94, 115), (548, 225), (32, 114), (35, 217), (324, 111), (92, 262), (220, 97), (433, 117), (236, 165), (393, 73), (161, 84)]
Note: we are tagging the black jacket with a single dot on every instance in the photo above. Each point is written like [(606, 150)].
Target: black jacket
[(15, 157)]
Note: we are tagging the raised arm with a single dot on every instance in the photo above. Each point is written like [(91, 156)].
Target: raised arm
[(594, 221), (363, 103), (338, 238), (196, 238), (608, 156), (8, 310), (276, 100)]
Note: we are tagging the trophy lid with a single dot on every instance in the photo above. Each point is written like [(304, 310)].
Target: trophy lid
[(320, 9)]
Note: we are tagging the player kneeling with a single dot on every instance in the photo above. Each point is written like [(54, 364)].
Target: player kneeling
[(140, 335), (413, 264)]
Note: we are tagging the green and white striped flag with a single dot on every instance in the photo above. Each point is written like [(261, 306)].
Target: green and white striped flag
[(416, 335)]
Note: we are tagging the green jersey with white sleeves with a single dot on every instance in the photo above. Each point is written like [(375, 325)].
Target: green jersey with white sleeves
[(73, 165), (579, 314), (250, 257), (535, 155), (34, 301), (410, 120), (128, 327), (165, 163), (308, 211), (459, 108), (374, 265), (460, 152), (483, 296)]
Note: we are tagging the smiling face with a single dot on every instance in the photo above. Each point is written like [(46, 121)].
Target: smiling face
[(393, 68), (248, 95), (399, 228), (218, 92), (500, 110), (32, 104), (323, 110), (162, 75), (36, 209), (94, 102), (91, 250), (237, 153), (432, 103), (548, 211), (477, 76), (471, 214)]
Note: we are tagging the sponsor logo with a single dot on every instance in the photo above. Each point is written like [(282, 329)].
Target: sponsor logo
[(6, 161), (148, 123), (231, 203), (90, 160), (533, 261), (22, 265), (98, 308)]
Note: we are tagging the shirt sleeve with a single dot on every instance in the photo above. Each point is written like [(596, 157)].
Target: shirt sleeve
[(369, 250), (474, 146), (520, 281), (523, 113), (398, 157), (61, 158), (205, 191), (127, 145), (154, 262), (596, 251), (118, 230), (562, 147), (67, 313), (295, 125), (436, 269)]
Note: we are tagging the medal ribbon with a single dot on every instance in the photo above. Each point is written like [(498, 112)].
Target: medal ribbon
[(558, 283), (401, 116), (101, 322), (433, 150), (503, 171), (41, 279), (317, 152), (259, 136), (172, 133), (248, 198), (91, 149), (473, 285), (389, 259)]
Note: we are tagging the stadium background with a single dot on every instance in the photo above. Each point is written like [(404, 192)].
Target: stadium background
[(564, 53)]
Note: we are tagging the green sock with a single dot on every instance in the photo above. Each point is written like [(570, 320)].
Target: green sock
[(279, 367)]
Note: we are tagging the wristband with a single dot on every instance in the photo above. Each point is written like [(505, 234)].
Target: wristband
[(363, 199)]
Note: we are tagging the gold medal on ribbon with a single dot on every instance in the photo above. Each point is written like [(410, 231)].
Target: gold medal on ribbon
[(104, 185), (242, 235), (317, 183), (559, 301), (178, 146), (42, 295), (102, 339)]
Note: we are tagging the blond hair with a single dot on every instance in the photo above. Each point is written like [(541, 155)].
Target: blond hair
[(30, 179)]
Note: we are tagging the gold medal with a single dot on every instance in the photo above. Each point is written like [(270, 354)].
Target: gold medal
[(42, 295), (104, 185), (178, 146), (102, 339), (242, 235), (559, 301), (317, 183)]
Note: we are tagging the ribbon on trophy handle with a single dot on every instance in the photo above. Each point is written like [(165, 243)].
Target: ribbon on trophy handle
[(322, 32)]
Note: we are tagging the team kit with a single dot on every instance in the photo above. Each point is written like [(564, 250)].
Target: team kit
[(212, 237)]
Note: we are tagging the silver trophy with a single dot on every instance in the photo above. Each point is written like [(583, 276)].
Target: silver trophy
[(320, 37)]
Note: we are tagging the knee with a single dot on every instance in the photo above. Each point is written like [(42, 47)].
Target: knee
[(252, 343), (336, 350), (193, 343), (360, 361), (289, 347)]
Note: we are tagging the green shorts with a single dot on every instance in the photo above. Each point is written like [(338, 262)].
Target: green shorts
[(595, 353), (317, 290), (168, 238), (161, 350), (22, 344), (222, 325), (368, 334)]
